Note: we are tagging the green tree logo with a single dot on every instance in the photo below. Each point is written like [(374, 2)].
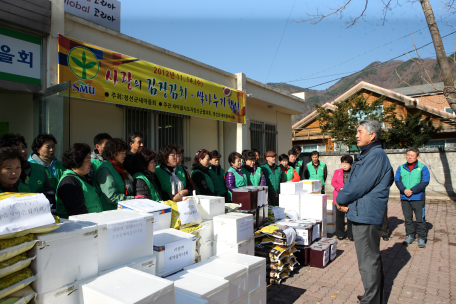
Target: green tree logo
[(83, 63)]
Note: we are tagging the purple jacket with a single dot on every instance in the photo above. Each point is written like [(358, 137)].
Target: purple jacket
[(230, 180)]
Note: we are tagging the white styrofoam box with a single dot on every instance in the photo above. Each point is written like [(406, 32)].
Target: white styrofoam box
[(331, 207), (291, 188), (206, 232), (258, 295), (233, 227), (244, 247), (210, 206), (311, 185), (161, 212), (330, 217), (65, 255), (236, 275), (171, 257), (313, 206), (303, 231), (244, 299), (324, 229), (331, 227), (126, 285), (145, 264), (206, 251), (182, 297), (68, 294), (209, 288), (291, 202), (123, 236), (256, 267)]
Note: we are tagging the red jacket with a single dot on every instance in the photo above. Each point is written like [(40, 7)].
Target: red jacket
[(337, 182), (296, 178)]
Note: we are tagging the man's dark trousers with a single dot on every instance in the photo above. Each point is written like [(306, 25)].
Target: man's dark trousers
[(367, 244), (408, 207), (385, 231)]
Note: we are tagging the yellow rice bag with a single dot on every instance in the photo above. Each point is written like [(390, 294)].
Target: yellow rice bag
[(175, 216), (15, 278)]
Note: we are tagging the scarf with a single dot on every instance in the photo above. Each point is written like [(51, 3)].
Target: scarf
[(127, 178), (283, 169), (176, 184), (96, 155)]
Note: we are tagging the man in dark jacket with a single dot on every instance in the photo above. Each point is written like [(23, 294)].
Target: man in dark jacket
[(411, 179), (364, 197)]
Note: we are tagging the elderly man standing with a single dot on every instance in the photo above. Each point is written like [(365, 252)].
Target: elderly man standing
[(364, 197), (273, 175)]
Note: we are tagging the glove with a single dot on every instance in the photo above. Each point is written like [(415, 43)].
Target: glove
[(140, 196)]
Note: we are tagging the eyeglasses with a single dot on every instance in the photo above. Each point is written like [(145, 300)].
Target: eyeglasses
[(173, 155)]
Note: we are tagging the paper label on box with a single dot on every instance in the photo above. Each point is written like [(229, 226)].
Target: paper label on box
[(303, 235), (24, 212), (298, 188), (126, 233), (245, 228), (261, 198), (279, 213), (188, 211), (333, 251), (178, 254), (325, 257), (316, 232)]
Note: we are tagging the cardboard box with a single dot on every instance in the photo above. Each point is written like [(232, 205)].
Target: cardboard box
[(233, 227), (291, 188), (161, 212), (256, 267), (236, 275), (174, 250), (319, 255), (65, 255), (244, 247), (246, 197), (127, 286), (206, 287), (124, 236)]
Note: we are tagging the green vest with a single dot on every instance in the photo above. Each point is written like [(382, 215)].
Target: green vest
[(218, 181), (272, 178), (289, 174), (252, 179), (299, 164), (413, 178), (239, 181), (92, 200), (37, 177), (120, 184), (154, 194), (208, 179), (165, 178), (317, 175), (59, 169), (22, 188), (96, 163)]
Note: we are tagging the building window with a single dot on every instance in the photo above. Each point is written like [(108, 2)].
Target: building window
[(159, 128), (449, 110), (435, 144), (263, 136)]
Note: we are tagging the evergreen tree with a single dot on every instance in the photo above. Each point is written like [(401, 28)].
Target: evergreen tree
[(410, 132)]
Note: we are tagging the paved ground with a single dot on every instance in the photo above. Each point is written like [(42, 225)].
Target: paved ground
[(412, 275)]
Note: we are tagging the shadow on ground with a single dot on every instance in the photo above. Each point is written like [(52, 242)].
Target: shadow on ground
[(393, 259), (393, 223), (284, 293)]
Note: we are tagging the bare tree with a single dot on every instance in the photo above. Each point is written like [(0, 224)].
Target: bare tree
[(446, 72)]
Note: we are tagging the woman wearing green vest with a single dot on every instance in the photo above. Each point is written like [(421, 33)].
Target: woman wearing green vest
[(200, 174), (234, 176), (172, 181), (112, 181), (33, 175), (76, 193), (10, 171), (142, 166), (217, 174), (253, 174), (289, 173), (43, 154)]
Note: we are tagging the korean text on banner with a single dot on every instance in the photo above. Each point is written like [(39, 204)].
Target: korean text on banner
[(178, 254), (188, 211), (24, 212), (126, 233), (99, 74)]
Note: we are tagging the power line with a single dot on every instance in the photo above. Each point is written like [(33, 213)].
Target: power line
[(280, 42), (382, 63)]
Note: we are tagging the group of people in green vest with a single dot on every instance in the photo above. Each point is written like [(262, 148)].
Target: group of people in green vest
[(95, 180)]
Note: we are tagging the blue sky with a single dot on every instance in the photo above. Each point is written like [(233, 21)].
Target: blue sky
[(243, 35)]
